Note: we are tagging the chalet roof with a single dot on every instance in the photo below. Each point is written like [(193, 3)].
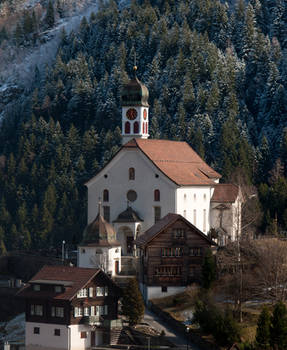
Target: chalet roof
[(177, 160), (73, 278), (128, 215), (164, 223), (225, 193), (99, 233)]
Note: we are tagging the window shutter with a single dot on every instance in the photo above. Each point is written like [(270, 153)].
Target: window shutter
[(75, 311), (91, 292), (92, 311)]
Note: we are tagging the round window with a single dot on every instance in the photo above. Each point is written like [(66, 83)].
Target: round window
[(132, 195)]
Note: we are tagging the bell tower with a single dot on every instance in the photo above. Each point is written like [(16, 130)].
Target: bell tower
[(134, 110)]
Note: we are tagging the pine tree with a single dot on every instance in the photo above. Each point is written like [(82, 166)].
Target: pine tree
[(132, 304), (278, 327), (208, 270), (263, 329), (50, 17)]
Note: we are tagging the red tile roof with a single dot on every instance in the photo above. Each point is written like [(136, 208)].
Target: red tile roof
[(177, 160), (225, 193), (74, 278), (162, 224)]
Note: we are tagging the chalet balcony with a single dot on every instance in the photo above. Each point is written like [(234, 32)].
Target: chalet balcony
[(92, 320)]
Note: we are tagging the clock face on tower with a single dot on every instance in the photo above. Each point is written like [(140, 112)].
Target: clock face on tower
[(131, 113)]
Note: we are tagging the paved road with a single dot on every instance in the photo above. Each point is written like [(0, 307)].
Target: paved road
[(154, 321)]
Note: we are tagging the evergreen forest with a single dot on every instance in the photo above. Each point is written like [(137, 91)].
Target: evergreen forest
[(217, 78)]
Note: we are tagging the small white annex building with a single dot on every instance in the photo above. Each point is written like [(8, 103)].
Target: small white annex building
[(148, 178)]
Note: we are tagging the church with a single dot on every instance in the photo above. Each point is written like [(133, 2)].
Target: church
[(146, 180)]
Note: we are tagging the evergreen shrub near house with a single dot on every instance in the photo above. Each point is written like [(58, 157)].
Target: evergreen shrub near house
[(263, 329), (208, 270), (212, 320), (132, 303)]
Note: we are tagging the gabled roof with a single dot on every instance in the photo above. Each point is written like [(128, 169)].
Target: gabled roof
[(163, 224), (225, 193), (177, 160), (73, 278)]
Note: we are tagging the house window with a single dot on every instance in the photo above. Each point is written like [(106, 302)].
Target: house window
[(132, 173), (179, 233), (194, 217), (164, 289), (156, 195), (127, 128), (168, 270), (83, 250), (57, 332), (106, 291), (157, 214), (78, 311), (86, 311), (204, 197), (194, 197), (58, 289), (204, 220), (57, 311), (184, 213), (106, 213), (83, 293), (172, 252), (106, 195), (195, 251), (136, 127), (36, 287), (83, 335), (36, 310), (36, 330), (100, 291)]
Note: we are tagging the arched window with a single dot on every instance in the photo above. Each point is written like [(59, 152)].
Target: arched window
[(132, 173), (136, 127), (106, 195), (143, 128), (127, 128), (156, 195)]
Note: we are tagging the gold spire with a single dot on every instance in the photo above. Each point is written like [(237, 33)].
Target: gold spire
[(135, 63)]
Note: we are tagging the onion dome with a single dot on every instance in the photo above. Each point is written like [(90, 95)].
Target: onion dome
[(99, 232), (135, 93)]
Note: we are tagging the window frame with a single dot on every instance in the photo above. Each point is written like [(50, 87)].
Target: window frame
[(156, 195), (132, 174), (106, 195)]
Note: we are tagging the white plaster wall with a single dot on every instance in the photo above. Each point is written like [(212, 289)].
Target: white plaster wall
[(89, 258), (186, 203), (155, 292), (46, 339), (118, 184), (78, 343)]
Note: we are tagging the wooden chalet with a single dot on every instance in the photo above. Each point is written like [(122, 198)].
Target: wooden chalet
[(171, 255), (70, 307)]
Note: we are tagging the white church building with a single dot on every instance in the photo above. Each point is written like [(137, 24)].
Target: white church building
[(149, 178)]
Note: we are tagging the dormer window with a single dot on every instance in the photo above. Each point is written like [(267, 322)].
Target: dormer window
[(58, 289), (132, 173), (36, 287)]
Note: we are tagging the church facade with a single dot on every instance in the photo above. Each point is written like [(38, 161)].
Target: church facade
[(148, 179)]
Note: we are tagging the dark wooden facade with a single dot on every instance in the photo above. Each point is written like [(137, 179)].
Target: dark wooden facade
[(173, 256), (47, 298)]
